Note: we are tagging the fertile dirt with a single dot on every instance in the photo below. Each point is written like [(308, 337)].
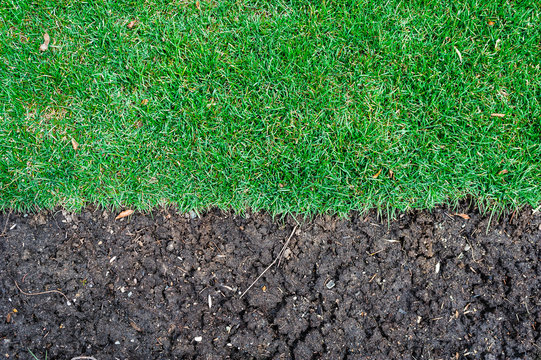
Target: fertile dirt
[(427, 285)]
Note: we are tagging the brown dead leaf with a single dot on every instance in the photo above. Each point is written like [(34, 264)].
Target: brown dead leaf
[(8, 318), (264, 288), (464, 216), (377, 174), (46, 40), (144, 102), (132, 24), (503, 172), (491, 23), (171, 328), (198, 5), (391, 174), (74, 144), (497, 115), (134, 325), (124, 214)]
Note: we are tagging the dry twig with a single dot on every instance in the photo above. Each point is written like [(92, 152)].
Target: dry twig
[(41, 292), (273, 262), (6, 225)]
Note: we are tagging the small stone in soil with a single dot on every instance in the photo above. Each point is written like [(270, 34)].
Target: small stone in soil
[(287, 253)]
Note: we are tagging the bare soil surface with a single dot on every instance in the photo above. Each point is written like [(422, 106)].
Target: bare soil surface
[(427, 285)]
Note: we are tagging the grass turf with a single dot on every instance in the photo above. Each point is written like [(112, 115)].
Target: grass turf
[(289, 106)]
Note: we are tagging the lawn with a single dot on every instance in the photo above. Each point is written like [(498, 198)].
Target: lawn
[(288, 106)]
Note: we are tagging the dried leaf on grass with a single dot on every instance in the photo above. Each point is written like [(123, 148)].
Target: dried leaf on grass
[(144, 102), (198, 5), (503, 172), (132, 24), (377, 174), (464, 216), (74, 144), (124, 214), (46, 40), (497, 115), (458, 53)]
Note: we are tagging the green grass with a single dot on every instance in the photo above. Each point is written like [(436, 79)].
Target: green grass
[(289, 106), (34, 356)]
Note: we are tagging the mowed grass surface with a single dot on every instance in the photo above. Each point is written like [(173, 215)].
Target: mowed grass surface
[(289, 106)]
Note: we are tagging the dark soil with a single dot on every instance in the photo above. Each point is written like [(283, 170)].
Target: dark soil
[(428, 285)]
